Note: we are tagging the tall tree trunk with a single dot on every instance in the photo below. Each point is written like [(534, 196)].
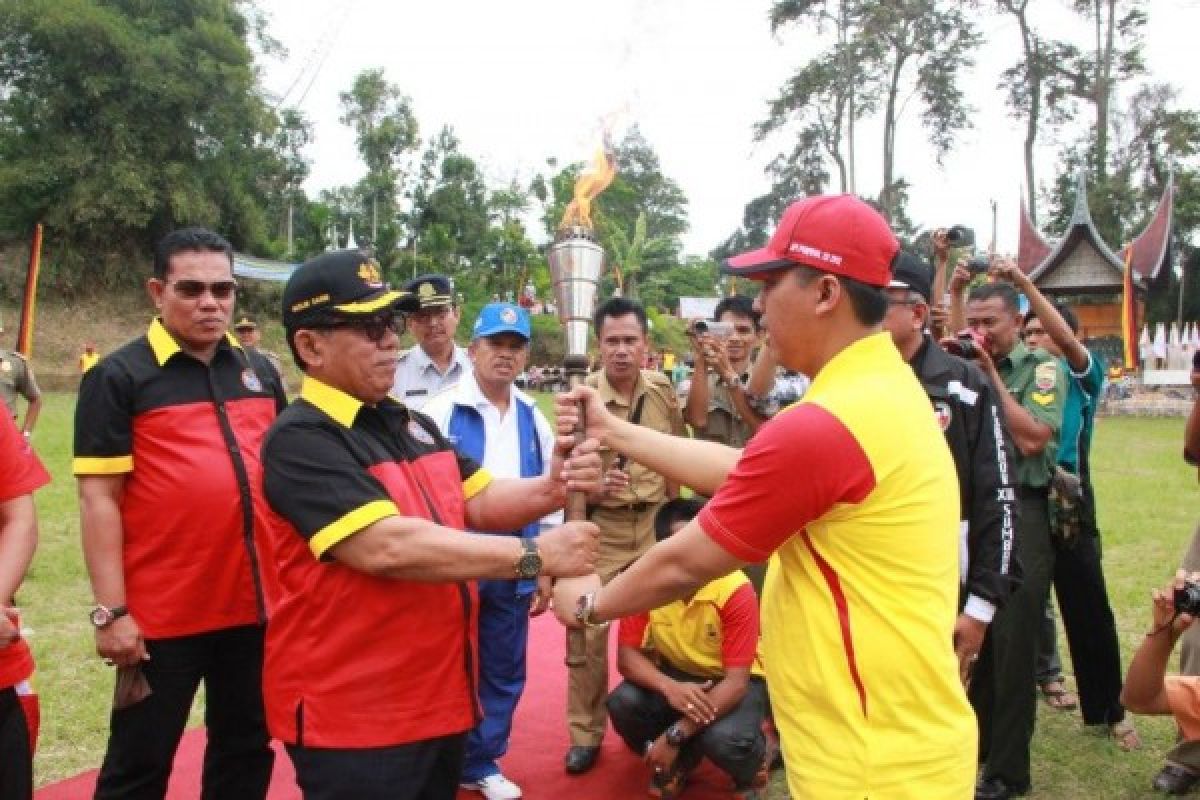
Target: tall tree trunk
[(1034, 84), (887, 194), (851, 112), (1103, 82)]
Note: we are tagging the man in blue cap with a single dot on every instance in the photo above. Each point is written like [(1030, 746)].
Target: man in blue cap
[(498, 425)]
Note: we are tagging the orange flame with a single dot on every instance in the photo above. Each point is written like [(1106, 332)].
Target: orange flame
[(590, 183)]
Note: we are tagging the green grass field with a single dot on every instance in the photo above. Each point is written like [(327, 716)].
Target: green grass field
[(1148, 510)]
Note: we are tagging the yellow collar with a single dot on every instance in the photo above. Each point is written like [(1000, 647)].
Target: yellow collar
[(164, 344), (339, 406)]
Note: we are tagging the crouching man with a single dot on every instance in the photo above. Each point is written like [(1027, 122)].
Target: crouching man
[(693, 682)]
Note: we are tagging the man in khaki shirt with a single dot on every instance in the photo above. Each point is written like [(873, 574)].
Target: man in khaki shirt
[(16, 378), (624, 512)]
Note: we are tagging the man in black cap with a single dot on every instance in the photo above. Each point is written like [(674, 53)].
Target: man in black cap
[(966, 410), (250, 336), (370, 668), (436, 362)]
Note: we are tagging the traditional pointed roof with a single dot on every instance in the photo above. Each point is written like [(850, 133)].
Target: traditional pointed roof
[(1151, 249), (1032, 248), (1081, 229)]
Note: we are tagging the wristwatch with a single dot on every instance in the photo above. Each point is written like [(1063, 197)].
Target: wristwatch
[(585, 611), (675, 735), (102, 616), (529, 565)]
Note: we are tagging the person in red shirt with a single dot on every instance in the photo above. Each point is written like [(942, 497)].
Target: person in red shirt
[(20, 474), (693, 683)]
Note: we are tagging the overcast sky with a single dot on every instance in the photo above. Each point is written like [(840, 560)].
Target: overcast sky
[(527, 79)]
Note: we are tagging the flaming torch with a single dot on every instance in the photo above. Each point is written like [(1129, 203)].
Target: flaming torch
[(576, 262)]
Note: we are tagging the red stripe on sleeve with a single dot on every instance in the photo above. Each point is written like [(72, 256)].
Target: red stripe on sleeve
[(797, 467), (739, 628), (632, 631)]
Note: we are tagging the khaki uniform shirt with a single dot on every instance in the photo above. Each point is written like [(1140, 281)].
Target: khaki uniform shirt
[(1036, 380), (16, 378), (660, 411), (724, 424)]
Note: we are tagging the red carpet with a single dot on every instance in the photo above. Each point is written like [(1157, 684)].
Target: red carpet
[(534, 760)]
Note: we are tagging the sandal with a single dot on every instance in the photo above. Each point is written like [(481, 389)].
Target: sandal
[(1058, 696), (1125, 736)]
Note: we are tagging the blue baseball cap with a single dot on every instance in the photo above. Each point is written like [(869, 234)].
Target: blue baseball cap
[(497, 318)]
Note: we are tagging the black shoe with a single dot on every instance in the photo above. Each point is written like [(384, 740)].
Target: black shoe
[(1175, 780), (996, 789), (581, 758)]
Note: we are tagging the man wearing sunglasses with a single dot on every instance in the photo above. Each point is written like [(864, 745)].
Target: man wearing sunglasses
[(372, 656), (435, 362), (167, 436)]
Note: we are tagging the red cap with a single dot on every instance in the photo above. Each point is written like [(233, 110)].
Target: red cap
[(833, 233)]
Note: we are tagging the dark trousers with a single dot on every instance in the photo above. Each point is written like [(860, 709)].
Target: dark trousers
[(16, 757), (143, 738), (503, 638), (1003, 691), (426, 770), (1088, 620), (735, 742)]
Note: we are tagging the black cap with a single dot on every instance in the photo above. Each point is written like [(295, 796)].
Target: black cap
[(431, 290), (340, 283), (913, 273), (245, 323)]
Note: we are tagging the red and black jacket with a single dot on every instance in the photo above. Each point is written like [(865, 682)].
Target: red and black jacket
[(186, 436)]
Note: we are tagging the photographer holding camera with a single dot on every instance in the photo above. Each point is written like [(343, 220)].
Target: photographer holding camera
[(718, 408), (1181, 771), (1077, 573), (1031, 386), (1148, 690)]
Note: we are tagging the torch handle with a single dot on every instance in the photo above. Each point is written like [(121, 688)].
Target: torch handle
[(576, 508)]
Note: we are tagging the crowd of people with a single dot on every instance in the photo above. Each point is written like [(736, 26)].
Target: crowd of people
[(851, 553)]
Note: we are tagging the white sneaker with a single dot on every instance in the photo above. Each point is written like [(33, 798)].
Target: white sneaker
[(495, 787)]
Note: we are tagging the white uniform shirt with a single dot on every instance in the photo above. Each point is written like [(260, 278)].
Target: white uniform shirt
[(418, 378), (502, 451)]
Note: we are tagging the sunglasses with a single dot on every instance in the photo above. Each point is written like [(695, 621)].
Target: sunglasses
[(220, 290), (374, 327)]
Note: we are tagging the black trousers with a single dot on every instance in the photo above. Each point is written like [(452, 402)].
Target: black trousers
[(1088, 620), (16, 759), (735, 742), (426, 770), (1003, 690), (143, 738)]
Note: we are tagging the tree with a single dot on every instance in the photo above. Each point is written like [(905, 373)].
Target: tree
[(628, 252), (122, 120), (899, 46), (1031, 91), (829, 94), (386, 131), (292, 135)]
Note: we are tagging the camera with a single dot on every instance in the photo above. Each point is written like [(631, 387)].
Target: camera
[(1187, 599), (966, 344), (720, 330), (977, 265), (960, 236)]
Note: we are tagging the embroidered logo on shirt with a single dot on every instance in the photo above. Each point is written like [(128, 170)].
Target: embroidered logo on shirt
[(419, 433), (250, 380), (1045, 376), (943, 414)]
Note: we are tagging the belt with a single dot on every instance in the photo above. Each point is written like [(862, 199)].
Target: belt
[(636, 508), (1033, 491)]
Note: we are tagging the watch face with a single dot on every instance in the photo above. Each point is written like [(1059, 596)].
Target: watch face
[(100, 617), (529, 565)]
